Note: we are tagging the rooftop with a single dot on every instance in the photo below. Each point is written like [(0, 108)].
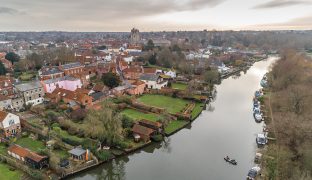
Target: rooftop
[(28, 86), (77, 151)]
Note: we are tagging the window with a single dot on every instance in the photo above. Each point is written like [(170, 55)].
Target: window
[(11, 122), (29, 98), (39, 95)]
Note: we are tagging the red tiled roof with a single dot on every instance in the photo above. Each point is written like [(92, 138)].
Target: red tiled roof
[(3, 115), (16, 149), (150, 70)]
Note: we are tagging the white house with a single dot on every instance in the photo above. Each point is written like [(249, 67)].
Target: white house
[(153, 81), (171, 73), (10, 124), (33, 92)]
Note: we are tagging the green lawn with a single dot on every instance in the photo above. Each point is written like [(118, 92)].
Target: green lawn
[(179, 86), (172, 105), (137, 115), (174, 125), (197, 110), (3, 149), (6, 173), (28, 76), (31, 144)]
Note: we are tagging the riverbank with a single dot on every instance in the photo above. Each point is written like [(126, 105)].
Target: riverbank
[(287, 104)]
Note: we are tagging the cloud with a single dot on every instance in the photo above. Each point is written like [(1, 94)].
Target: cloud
[(301, 23), (282, 3), (6, 10)]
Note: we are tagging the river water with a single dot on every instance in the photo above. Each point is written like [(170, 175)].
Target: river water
[(227, 127)]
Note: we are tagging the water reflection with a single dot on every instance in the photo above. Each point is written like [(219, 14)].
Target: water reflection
[(115, 171)]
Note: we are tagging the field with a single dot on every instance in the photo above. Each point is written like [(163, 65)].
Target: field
[(172, 105), (137, 115), (174, 125), (179, 86), (6, 173), (31, 144)]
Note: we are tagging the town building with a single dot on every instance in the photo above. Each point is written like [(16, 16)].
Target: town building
[(32, 92), (72, 68), (67, 82)]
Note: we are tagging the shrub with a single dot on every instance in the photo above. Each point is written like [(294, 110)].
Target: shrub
[(121, 145), (71, 141), (78, 115), (157, 138), (103, 155), (127, 122)]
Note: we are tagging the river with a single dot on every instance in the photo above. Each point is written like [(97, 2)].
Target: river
[(227, 127)]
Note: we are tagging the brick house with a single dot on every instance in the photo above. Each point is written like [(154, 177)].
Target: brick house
[(72, 68), (137, 87)]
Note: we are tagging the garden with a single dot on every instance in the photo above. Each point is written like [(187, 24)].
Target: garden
[(138, 115)]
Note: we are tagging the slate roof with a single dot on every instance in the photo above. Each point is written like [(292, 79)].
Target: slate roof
[(53, 70), (149, 77), (71, 65), (28, 86), (68, 78), (97, 96), (77, 151)]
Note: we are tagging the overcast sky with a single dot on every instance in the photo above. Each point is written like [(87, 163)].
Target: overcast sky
[(154, 15)]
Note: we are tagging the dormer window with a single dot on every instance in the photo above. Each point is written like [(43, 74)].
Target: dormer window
[(11, 122)]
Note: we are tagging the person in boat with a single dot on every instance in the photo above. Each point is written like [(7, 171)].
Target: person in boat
[(227, 157)]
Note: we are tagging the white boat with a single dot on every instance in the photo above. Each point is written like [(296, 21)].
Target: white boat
[(261, 139)]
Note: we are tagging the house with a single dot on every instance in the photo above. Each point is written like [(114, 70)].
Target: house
[(5, 102), (78, 154), (150, 124), (137, 87), (153, 81), (71, 68), (17, 103), (121, 90), (30, 158), (6, 86), (142, 132), (133, 72), (101, 88), (171, 73), (50, 72), (32, 92), (69, 97), (9, 124), (67, 82)]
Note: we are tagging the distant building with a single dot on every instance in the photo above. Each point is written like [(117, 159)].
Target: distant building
[(135, 36), (66, 82)]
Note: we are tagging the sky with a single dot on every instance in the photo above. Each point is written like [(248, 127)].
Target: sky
[(154, 15)]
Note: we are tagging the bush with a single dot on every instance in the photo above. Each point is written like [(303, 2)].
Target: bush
[(78, 115), (157, 138), (121, 145), (103, 155), (127, 122)]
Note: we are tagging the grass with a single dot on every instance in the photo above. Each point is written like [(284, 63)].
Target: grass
[(197, 110), (137, 115), (6, 173), (174, 125), (3, 149), (172, 105), (179, 86), (31, 144), (28, 76), (62, 154)]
